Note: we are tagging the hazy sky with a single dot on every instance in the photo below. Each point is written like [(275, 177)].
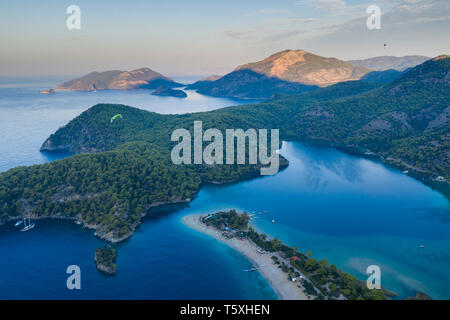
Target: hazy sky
[(199, 37)]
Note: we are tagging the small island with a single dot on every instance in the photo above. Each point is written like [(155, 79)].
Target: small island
[(291, 273), (48, 91), (419, 296), (169, 92), (105, 260)]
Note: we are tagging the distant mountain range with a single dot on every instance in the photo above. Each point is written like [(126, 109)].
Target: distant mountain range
[(389, 62), (290, 71), (119, 80)]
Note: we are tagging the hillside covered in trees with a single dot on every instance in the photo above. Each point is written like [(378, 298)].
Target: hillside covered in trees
[(122, 169)]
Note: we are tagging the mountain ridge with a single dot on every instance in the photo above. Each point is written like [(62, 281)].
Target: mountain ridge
[(383, 63), (288, 71)]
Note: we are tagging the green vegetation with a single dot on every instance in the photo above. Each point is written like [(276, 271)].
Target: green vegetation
[(230, 219), (128, 169), (328, 279), (105, 259), (289, 71), (110, 190)]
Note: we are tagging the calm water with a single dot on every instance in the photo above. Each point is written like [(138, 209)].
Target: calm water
[(352, 211), (27, 117)]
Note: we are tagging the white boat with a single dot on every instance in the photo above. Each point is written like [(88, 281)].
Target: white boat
[(18, 223), (254, 268), (28, 226), (405, 172)]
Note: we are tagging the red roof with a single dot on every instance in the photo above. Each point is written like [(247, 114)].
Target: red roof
[(294, 258)]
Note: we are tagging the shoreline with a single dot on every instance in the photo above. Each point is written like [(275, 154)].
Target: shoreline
[(277, 279)]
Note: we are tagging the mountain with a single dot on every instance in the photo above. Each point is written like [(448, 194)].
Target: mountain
[(247, 84), (290, 71), (119, 80), (382, 76), (214, 77), (406, 122), (389, 62)]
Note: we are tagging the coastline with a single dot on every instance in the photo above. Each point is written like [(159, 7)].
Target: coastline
[(278, 280)]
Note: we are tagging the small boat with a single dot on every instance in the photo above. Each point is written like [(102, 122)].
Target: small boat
[(251, 269), (28, 226), (18, 223), (48, 91), (273, 221), (421, 246), (405, 172)]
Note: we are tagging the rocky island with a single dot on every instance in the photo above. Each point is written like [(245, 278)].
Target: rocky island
[(169, 92), (105, 260), (119, 80)]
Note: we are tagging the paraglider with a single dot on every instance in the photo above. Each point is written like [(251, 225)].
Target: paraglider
[(115, 117)]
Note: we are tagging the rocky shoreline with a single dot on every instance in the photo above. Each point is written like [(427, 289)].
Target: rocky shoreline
[(105, 260)]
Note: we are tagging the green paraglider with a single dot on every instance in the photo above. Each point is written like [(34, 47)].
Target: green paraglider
[(115, 117)]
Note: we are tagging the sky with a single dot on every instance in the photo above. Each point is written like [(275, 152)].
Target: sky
[(200, 37)]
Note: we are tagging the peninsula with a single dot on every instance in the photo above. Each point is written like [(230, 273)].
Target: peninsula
[(105, 260), (292, 274)]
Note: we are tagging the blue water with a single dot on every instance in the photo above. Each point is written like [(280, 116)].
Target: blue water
[(352, 211), (27, 117)]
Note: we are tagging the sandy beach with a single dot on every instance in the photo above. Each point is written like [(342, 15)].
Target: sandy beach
[(279, 281)]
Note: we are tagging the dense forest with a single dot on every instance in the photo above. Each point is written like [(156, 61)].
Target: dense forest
[(122, 169)]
